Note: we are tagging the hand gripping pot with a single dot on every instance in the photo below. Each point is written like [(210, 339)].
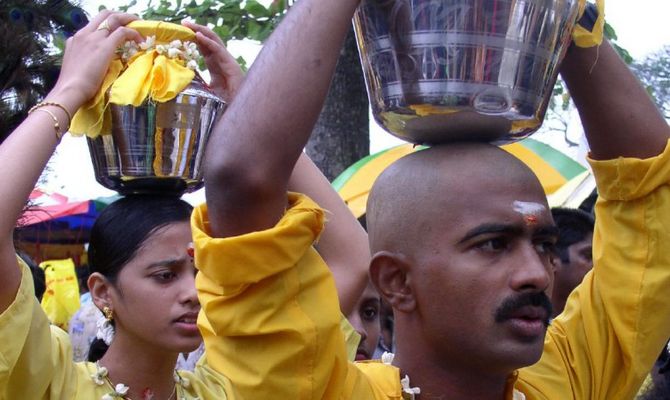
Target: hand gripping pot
[(444, 70), (157, 116)]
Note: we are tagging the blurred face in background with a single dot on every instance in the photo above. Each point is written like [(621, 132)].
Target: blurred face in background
[(365, 320)]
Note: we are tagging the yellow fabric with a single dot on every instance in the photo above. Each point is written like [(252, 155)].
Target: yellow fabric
[(351, 338), (36, 359), (275, 300), (61, 297), (584, 38), (148, 75), (617, 321), (257, 290)]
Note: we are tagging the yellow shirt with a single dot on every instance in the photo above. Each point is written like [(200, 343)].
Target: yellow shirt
[(275, 302), (36, 359)]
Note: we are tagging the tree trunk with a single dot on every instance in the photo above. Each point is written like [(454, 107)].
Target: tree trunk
[(342, 133)]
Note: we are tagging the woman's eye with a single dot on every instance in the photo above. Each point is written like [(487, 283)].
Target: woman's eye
[(165, 276), (370, 313)]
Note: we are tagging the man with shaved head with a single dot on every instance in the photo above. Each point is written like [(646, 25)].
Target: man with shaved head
[(439, 221), (461, 238)]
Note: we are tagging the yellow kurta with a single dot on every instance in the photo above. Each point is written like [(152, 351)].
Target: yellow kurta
[(274, 300), (36, 359)]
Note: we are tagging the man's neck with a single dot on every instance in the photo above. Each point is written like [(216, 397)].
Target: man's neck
[(453, 381)]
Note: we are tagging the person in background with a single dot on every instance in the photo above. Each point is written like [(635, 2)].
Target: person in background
[(365, 321), (574, 253)]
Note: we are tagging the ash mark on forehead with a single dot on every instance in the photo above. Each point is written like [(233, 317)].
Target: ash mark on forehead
[(528, 208)]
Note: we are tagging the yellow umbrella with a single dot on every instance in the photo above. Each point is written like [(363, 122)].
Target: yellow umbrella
[(553, 168), (574, 192)]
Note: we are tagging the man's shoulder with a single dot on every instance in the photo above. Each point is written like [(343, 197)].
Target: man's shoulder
[(384, 379)]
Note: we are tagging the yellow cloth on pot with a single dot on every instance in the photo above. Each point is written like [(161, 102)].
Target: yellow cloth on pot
[(585, 38), (147, 75)]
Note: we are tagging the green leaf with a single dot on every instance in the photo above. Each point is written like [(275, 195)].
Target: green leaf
[(223, 32), (256, 9)]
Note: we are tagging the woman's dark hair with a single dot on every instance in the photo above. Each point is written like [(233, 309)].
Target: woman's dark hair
[(124, 225), (121, 230)]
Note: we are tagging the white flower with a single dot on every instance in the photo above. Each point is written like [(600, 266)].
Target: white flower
[(192, 65), (387, 358), (148, 43), (161, 48), (100, 375), (176, 43), (128, 50), (174, 52), (178, 379), (107, 397), (406, 389), (121, 390), (105, 331), (518, 395)]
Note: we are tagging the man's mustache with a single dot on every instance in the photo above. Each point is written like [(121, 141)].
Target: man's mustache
[(513, 304)]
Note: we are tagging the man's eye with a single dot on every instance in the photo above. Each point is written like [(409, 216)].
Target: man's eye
[(494, 244)]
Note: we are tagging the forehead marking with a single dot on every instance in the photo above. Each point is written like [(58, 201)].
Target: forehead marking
[(529, 210)]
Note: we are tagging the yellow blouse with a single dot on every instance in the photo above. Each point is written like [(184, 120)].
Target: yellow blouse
[(36, 360)]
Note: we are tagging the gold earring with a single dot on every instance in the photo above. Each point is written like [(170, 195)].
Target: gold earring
[(109, 314)]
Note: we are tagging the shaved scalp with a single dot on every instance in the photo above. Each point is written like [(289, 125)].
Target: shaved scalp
[(409, 196)]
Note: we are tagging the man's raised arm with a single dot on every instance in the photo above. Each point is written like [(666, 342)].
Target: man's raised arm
[(254, 148), (619, 117)]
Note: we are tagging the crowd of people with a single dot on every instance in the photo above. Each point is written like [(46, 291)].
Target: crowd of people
[(478, 289)]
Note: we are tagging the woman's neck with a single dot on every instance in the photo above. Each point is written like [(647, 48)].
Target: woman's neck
[(140, 366)]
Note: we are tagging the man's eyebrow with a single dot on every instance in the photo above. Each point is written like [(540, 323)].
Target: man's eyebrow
[(483, 229)]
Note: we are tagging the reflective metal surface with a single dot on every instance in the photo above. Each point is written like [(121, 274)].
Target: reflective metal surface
[(157, 147), (441, 70)]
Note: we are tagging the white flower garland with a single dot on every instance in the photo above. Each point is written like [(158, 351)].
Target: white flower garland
[(120, 391), (186, 51), (408, 392)]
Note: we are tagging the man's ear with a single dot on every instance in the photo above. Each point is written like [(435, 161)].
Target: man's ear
[(101, 290), (391, 275)]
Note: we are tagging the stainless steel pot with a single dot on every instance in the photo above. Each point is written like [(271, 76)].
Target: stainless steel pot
[(157, 147), (442, 70)]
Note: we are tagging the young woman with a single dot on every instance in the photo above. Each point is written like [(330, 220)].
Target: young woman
[(142, 270)]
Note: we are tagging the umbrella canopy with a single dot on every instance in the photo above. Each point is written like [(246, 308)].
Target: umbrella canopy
[(553, 168), (53, 219)]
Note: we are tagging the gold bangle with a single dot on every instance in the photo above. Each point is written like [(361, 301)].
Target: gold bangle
[(51, 103), (59, 134)]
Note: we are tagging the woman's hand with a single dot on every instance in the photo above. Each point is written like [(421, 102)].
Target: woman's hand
[(88, 55), (226, 74)]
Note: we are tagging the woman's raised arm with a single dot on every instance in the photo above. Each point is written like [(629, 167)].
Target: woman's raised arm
[(26, 151)]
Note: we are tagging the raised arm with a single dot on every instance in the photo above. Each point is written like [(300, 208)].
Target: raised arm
[(254, 148), (618, 315), (26, 151), (343, 243), (619, 117)]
